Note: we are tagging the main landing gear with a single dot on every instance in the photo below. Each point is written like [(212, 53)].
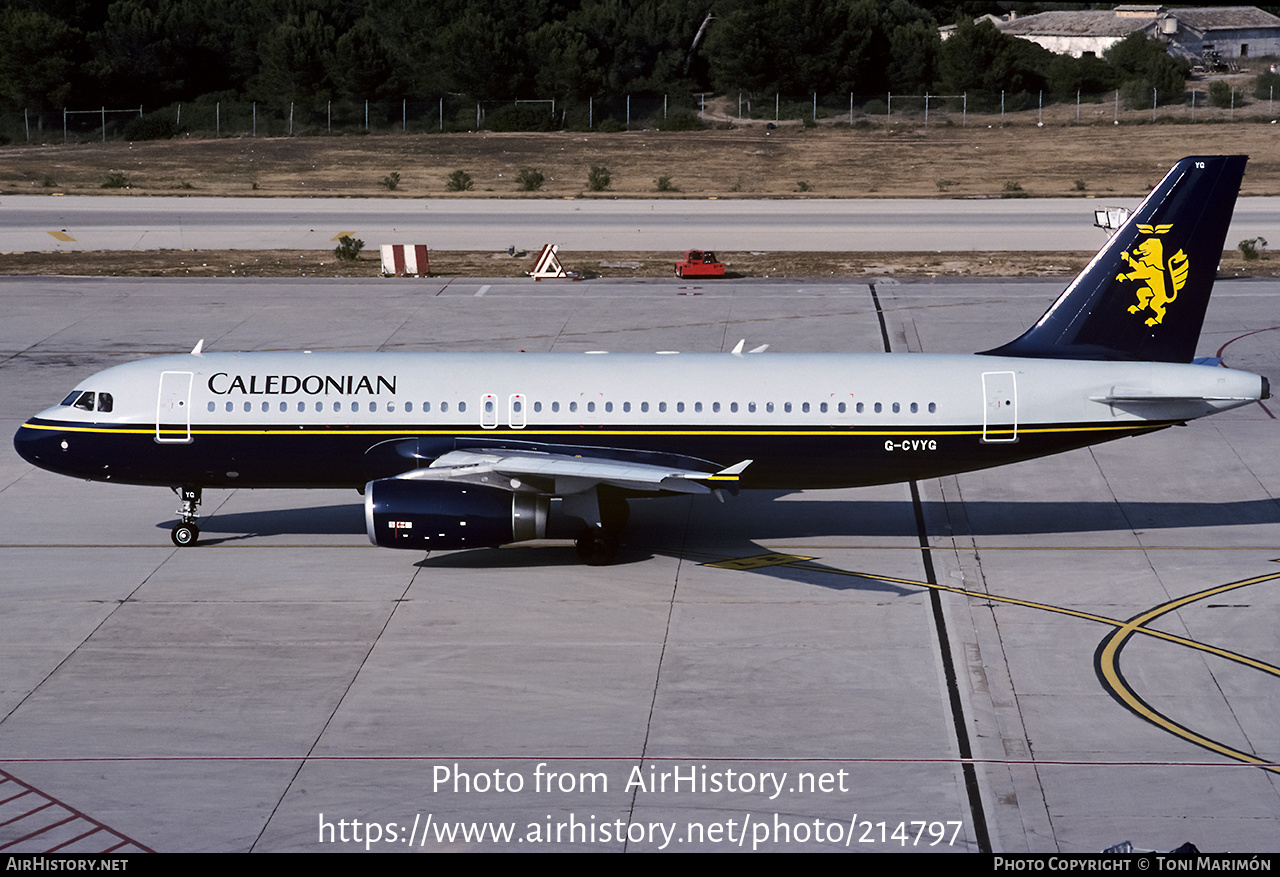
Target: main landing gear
[(597, 544), (185, 532)]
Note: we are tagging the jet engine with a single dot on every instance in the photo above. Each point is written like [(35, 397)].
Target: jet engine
[(426, 515)]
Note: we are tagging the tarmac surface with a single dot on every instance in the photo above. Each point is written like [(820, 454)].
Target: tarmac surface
[(1054, 656), (36, 223)]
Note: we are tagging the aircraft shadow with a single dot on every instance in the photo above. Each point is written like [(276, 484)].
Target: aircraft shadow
[(705, 528)]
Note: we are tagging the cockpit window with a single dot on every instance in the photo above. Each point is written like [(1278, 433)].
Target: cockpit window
[(75, 394), (104, 401), (85, 401)]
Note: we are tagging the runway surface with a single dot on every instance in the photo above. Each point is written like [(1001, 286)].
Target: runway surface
[(39, 223), (1055, 656)]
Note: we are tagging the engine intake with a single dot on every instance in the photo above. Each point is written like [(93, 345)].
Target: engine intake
[(426, 515)]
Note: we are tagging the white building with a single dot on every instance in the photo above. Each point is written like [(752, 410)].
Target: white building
[(1231, 31)]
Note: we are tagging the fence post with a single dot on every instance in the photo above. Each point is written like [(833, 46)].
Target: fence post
[(1077, 105), (366, 117), (255, 118), (1002, 108), (1193, 104), (1154, 95), (64, 126), (104, 124), (964, 111), (777, 103), (664, 107), (404, 115), (629, 111), (815, 107), (926, 109), (1116, 114), (290, 118), (26, 123), (888, 116), (850, 109), (217, 120)]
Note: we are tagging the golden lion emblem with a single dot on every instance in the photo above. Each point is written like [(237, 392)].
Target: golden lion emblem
[(1147, 262)]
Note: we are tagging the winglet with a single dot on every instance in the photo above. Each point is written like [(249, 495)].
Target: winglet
[(195, 351), (737, 348), (732, 472)]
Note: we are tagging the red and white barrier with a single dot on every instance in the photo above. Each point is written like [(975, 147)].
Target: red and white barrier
[(405, 259)]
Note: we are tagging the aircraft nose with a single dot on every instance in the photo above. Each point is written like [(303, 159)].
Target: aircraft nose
[(42, 448)]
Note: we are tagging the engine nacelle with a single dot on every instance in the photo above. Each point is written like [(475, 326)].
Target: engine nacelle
[(427, 515)]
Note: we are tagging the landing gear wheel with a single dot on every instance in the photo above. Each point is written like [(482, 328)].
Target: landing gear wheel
[(184, 535), (597, 546)]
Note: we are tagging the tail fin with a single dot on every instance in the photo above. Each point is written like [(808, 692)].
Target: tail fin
[(1143, 297)]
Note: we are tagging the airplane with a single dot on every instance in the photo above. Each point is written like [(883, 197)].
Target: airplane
[(470, 450)]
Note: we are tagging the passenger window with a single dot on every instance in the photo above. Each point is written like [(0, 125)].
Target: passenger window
[(248, 406), (284, 406), (751, 407), (715, 407), (859, 409), (680, 407), (211, 407), (591, 407), (266, 406), (462, 406), (644, 407), (337, 406), (626, 407), (302, 406), (879, 408), (230, 407), (391, 406), (373, 406), (768, 406), (914, 408), (933, 408), (104, 402), (896, 407), (733, 407), (355, 406), (573, 406), (786, 407), (555, 407), (408, 407), (319, 406), (608, 406), (444, 406), (805, 407), (537, 407), (662, 407), (823, 407), (697, 406)]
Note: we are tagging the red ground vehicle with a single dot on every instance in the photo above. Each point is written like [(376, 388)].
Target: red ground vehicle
[(697, 263)]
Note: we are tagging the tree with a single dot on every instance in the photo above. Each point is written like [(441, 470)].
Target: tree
[(37, 58)]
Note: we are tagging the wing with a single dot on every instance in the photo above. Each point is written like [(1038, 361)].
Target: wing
[(561, 474)]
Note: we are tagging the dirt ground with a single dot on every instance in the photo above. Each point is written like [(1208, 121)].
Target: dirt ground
[(312, 263), (898, 161), (972, 157)]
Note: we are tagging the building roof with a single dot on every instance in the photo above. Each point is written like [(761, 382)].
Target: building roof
[(1207, 18), (1078, 23)]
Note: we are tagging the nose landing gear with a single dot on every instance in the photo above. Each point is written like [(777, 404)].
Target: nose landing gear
[(185, 532)]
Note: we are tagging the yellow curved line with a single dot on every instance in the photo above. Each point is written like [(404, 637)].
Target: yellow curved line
[(1114, 642)]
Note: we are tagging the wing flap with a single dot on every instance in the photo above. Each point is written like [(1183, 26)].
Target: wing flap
[(566, 474)]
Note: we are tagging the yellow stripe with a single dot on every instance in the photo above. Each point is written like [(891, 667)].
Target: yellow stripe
[(834, 432)]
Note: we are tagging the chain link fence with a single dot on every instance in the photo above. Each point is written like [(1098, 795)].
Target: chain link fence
[(457, 113)]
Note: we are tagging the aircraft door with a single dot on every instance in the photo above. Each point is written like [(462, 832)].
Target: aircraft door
[(173, 408), (1000, 407), (488, 411), (515, 411)]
